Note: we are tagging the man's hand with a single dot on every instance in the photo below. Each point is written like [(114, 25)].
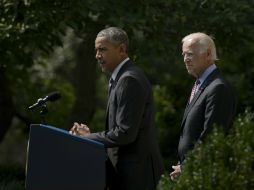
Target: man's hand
[(79, 129), (176, 173)]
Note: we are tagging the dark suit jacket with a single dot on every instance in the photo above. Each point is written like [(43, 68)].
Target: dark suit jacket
[(214, 103), (130, 133)]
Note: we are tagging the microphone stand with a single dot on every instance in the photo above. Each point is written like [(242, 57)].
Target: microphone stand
[(43, 112)]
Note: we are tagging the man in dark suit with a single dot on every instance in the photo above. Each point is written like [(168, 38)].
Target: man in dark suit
[(212, 101), (134, 160)]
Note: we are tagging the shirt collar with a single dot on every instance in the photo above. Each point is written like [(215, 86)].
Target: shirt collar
[(205, 74), (119, 66)]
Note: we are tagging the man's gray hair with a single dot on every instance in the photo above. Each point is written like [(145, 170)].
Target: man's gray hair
[(115, 35), (204, 41)]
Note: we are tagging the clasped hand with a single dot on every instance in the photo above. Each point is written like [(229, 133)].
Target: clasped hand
[(80, 129), (176, 173)]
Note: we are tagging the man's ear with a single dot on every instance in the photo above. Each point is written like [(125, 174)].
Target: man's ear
[(123, 48), (209, 53)]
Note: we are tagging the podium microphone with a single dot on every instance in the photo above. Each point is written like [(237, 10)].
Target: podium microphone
[(53, 96)]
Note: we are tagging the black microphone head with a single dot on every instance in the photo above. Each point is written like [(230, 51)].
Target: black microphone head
[(53, 96)]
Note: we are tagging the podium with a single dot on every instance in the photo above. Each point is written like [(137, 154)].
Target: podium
[(57, 160)]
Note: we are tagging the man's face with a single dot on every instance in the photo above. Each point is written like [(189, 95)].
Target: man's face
[(108, 55), (195, 60)]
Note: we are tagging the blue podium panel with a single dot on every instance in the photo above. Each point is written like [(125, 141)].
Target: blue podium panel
[(57, 160)]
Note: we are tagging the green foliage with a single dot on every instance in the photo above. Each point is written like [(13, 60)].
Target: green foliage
[(12, 177), (29, 33), (221, 162), (13, 185), (165, 120), (98, 121)]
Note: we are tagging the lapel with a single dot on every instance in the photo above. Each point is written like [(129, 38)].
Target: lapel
[(208, 80), (122, 70), (119, 74)]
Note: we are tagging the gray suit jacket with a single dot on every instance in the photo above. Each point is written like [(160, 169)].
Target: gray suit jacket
[(130, 134), (214, 103)]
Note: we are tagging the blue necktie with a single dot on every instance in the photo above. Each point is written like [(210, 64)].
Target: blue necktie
[(111, 85)]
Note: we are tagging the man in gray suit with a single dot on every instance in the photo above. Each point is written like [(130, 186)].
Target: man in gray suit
[(134, 160), (212, 100)]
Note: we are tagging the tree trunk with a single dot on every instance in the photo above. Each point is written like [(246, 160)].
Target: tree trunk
[(84, 82), (6, 104)]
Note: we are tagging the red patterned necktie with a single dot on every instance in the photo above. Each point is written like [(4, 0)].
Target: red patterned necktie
[(194, 90)]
